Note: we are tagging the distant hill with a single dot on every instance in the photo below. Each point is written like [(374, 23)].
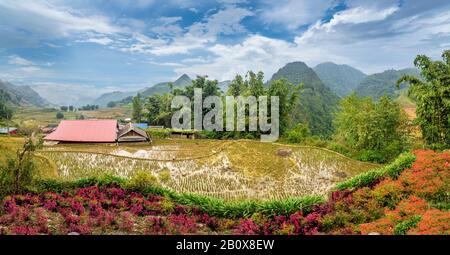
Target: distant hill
[(21, 95), (379, 84), (341, 79), (161, 88), (223, 85), (115, 96), (317, 101), (126, 97)]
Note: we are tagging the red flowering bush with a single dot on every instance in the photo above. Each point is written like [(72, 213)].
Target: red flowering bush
[(407, 204)]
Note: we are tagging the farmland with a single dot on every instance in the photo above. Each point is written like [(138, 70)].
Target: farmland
[(229, 170)]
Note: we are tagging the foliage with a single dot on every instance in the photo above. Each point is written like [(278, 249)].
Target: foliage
[(158, 133), (59, 115), (383, 84), (298, 134), (317, 103), (111, 104), (376, 129), (433, 97), (17, 176), (137, 108)]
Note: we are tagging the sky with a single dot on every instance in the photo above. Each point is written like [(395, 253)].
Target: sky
[(98, 46)]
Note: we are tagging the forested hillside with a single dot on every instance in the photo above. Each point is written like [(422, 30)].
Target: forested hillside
[(317, 102), (341, 79), (380, 84)]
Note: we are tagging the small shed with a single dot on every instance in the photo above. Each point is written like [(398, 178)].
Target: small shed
[(131, 133), (185, 134), (8, 130)]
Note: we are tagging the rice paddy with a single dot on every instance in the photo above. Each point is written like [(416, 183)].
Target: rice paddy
[(231, 170)]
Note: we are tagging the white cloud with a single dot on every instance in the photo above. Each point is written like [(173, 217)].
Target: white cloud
[(294, 13), (372, 40), (226, 21), (357, 15), (100, 40), (17, 60)]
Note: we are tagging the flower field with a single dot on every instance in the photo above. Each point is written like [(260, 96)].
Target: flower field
[(415, 202), (231, 170)]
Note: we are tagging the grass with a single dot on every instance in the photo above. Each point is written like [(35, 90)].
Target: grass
[(392, 170), (34, 117)]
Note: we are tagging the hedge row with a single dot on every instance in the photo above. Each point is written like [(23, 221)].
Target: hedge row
[(392, 170)]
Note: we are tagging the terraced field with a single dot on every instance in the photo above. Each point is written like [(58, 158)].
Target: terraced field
[(224, 169)]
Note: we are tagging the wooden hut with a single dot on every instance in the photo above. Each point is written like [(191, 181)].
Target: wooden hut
[(131, 133)]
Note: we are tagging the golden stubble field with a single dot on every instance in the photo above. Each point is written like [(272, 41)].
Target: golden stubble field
[(230, 170)]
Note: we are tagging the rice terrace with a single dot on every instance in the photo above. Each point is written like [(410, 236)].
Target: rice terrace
[(222, 169)]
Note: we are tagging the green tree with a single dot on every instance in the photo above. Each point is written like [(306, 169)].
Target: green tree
[(288, 95), (111, 104), (376, 130), (137, 108), (432, 94), (59, 115), (298, 134), (17, 176)]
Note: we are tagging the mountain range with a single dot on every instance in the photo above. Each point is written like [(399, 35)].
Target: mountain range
[(379, 84), (342, 79), (317, 102), (21, 95)]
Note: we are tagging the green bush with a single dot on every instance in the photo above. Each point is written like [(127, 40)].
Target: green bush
[(392, 170), (158, 133), (370, 156), (298, 134), (141, 181), (403, 227)]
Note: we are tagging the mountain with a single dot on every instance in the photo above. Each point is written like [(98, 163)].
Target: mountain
[(115, 96), (341, 79), (126, 97), (379, 84), (223, 85), (21, 95), (317, 102), (161, 88)]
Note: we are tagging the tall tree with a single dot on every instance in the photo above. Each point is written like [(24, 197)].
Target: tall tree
[(432, 94), (137, 108), (288, 95)]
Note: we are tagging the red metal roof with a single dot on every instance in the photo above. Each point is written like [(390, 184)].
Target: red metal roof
[(85, 131)]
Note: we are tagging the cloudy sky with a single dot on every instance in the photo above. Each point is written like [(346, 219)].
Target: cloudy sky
[(129, 44)]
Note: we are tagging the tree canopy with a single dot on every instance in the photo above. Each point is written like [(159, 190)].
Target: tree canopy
[(432, 94)]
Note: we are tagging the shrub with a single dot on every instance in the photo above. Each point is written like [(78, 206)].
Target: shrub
[(17, 176), (403, 227), (298, 134), (158, 133), (141, 181)]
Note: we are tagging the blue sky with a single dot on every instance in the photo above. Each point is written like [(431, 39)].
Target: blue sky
[(97, 46)]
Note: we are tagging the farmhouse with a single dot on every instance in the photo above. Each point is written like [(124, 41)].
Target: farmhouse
[(87, 131), (8, 130), (131, 133), (95, 131)]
